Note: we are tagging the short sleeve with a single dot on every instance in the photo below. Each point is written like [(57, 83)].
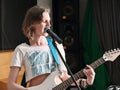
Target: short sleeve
[(17, 59)]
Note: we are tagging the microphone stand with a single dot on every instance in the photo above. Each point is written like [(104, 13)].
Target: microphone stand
[(71, 74)]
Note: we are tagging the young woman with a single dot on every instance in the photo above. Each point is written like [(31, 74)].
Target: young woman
[(36, 56)]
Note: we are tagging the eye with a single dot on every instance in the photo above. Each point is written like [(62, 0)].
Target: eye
[(45, 21)]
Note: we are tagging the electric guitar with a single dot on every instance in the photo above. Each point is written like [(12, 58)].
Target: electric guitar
[(52, 82)]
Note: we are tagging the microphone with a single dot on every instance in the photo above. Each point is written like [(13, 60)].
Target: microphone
[(53, 35)]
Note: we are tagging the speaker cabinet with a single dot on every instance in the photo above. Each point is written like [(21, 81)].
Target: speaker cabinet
[(12, 14), (66, 25)]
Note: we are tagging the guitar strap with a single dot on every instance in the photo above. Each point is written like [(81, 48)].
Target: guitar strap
[(54, 52)]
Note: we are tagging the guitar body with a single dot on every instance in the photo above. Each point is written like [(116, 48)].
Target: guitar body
[(51, 81)]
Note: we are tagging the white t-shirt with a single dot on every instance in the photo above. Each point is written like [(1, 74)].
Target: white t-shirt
[(36, 60)]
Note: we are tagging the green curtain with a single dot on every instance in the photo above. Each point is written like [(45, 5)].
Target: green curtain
[(91, 49)]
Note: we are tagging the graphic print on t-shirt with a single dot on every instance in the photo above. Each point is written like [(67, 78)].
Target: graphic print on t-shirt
[(40, 62)]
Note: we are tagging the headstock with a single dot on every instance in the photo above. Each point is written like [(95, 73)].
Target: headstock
[(111, 55)]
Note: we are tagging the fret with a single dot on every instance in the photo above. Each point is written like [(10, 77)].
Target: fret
[(97, 63)]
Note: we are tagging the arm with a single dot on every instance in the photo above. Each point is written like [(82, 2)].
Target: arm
[(89, 73), (12, 79)]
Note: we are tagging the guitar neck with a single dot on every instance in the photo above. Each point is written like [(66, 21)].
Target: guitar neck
[(78, 75)]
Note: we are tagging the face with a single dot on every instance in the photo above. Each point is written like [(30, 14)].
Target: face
[(39, 27)]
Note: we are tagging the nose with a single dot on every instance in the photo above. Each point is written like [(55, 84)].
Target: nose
[(48, 24)]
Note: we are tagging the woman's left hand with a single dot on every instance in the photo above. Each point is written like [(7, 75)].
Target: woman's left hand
[(90, 74)]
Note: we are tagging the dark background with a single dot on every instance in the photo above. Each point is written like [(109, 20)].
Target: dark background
[(66, 23), (12, 14)]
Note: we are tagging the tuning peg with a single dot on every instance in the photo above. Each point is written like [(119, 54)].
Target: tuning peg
[(118, 49), (107, 53), (115, 50), (111, 51)]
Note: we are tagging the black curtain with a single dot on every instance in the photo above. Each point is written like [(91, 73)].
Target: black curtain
[(107, 17)]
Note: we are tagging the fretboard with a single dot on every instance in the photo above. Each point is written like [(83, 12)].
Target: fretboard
[(69, 81)]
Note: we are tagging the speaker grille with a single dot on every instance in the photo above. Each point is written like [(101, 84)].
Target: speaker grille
[(66, 25)]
